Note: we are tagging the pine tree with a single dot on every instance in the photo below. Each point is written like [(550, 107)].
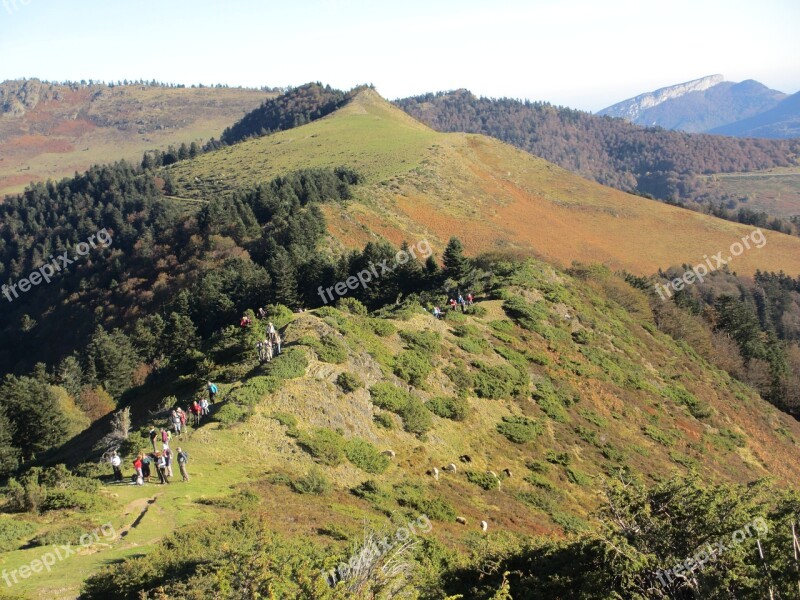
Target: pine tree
[(9, 454), (284, 276), (456, 266)]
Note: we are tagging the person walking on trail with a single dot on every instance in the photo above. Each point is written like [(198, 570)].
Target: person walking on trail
[(212, 392), (165, 437), (262, 314), (116, 463), (153, 436), (147, 460), (268, 352), (204, 406), (161, 464), (137, 465), (168, 461), (196, 410), (270, 330), (452, 303), (260, 351), (183, 458), (181, 416), (470, 298), (276, 340), (176, 421)]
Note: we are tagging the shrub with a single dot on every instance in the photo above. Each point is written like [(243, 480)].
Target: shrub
[(558, 458), (62, 535), (461, 378), (279, 314), (348, 382), (578, 477), (519, 429), (416, 418), (290, 364), (365, 456), (428, 342), (384, 420), (328, 348), (537, 466), (497, 382), (477, 311), (413, 367), (12, 531), (381, 327), (389, 397), (485, 480), (325, 445), (539, 481), (697, 408), (242, 501), (73, 499), (456, 409), (314, 482), (351, 305), (502, 325), (527, 316), (553, 401), (581, 336), (288, 421), (230, 413), (415, 497), (254, 390), (658, 435)]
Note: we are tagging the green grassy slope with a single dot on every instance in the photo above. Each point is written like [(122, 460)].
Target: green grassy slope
[(601, 386), (434, 185)]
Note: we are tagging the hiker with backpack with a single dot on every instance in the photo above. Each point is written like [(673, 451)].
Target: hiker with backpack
[(165, 437), (212, 392), (168, 461), (147, 460), (268, 352), (183, 458), (204, 409)]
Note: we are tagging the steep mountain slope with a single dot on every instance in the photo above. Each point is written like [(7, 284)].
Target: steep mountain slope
[(563, 379), (53, 130), (655, 162), (783, 121), (699, 105), (424, 184)]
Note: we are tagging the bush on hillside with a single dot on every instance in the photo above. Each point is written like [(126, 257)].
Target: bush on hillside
[(290, 364), (487, 481), (456, 408), (366, 456), (314, 482), (413, 367), (348, 382), (12, 531), (519, 429), (325, 445)]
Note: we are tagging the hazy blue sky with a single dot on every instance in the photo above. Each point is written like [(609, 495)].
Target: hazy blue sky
[(580, 53)]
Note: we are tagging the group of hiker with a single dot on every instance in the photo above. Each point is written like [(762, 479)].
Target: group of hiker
[(270, 346), (454, 304), (161, 459)]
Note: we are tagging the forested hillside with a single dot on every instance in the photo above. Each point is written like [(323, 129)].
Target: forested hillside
[(654, 162)]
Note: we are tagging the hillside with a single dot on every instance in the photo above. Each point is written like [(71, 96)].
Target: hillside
[(782, 121), (555, 381), (665, 165), (429, 185), (699, 105), (570, 434), (54, 130)]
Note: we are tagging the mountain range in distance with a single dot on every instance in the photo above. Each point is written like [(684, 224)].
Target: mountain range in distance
[(713, 105)]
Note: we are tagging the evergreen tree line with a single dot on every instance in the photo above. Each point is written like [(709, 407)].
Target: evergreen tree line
[(756, 323), (652, 162)]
